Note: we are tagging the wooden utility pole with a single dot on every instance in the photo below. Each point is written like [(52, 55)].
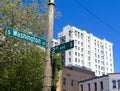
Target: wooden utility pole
[(47, 67)]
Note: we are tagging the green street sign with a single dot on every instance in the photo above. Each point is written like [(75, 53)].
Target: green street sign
[(62, 47), (24, 36)]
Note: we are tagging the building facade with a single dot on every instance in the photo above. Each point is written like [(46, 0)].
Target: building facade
[(89, 51), (54, 42), (110, 82), (70, 76)]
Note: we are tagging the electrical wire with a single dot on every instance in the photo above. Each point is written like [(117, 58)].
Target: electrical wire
[(98, 18)]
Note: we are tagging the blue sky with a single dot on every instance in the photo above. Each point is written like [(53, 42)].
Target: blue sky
[(102, 20)]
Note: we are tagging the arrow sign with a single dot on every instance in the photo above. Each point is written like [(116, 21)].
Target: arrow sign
[(62, 47), (24, 36)]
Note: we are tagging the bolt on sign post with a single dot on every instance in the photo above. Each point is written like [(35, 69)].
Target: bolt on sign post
[(47, 66)]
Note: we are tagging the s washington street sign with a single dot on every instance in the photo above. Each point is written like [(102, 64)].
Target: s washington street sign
[(25, 36)]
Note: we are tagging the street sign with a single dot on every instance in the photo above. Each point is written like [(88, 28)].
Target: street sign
[(62, 47), (25, 36)]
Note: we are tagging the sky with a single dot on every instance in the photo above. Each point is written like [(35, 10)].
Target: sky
[(99, 17)]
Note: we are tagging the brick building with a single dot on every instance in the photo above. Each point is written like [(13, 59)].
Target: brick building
[(70, 76)]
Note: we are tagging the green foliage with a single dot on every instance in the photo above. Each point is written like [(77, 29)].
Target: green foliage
[(30, 18), (58, 67), (23, 70), (57, 58), (21, 63)]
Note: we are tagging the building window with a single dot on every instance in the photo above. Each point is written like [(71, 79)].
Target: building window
[(111, 70), (88, 86), (72, 82), (99, 67), (75, 41), (88, 46), (102, 52), (118, 84), (81, 43), (99, 61), (68, 74), (110, 54), (75, 53), (89, 58), (75, 59), (98, 56), (96, 71), (81, 35), (69, 53), (89, 64), (64, 81), (78, 54), (110, 65), (69, 60), (99, 72), (81, 49), (106, 53), (82, 55), (96, 66), (82, 62), (101, 85), (110, 49), (81, 87), (95, 86), (114, 83), (69, 33), (88, 52), (107, 69), (95, 49), (101, 46), (95, 60), (88, 40), (76, 47), (76, 33), (95, 55), (110, 59)]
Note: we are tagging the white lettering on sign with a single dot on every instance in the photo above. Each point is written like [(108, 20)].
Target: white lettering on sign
[(71, 44), (15, 33), (9, 31), (24, 36), (27, 37), (62, 47)]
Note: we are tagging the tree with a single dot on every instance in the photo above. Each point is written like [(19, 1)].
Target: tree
[(29, 18), (21, 63), (56, 67), (24, 74)]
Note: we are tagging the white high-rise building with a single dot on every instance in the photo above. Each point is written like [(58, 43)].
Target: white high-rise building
[(89, 51), (54, 42)]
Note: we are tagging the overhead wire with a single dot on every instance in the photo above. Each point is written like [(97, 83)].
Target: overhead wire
[(98, 18)]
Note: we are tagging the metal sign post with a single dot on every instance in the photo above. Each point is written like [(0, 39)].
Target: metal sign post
[(47, 67)]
